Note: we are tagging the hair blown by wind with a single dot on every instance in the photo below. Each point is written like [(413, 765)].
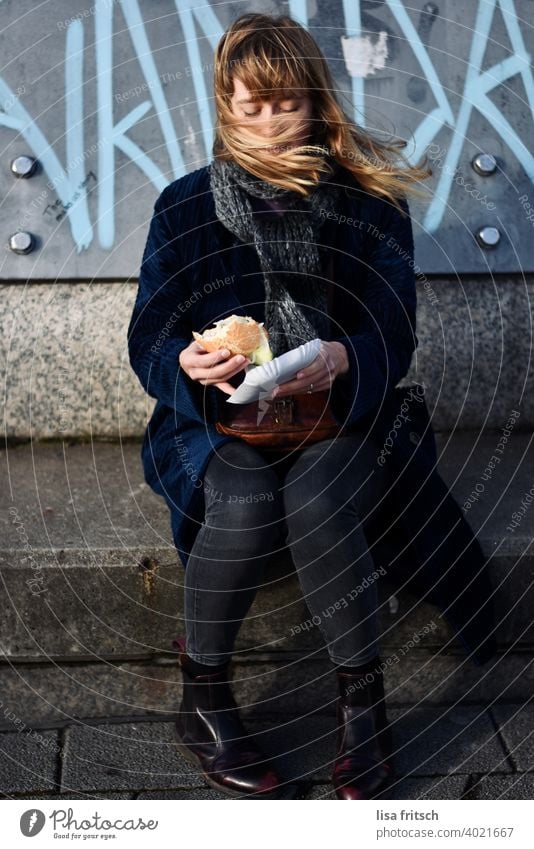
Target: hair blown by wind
[(272, 54)]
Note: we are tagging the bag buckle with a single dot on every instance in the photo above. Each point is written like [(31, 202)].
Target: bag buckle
[(283, 409)]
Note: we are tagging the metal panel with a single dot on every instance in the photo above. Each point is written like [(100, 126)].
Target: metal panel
[(114, 100)]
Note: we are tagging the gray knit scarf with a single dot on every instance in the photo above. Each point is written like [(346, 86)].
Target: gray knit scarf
[(296, 307)]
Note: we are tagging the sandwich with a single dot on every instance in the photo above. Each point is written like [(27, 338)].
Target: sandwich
[(240, 335)]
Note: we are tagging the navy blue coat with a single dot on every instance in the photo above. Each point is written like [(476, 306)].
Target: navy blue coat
[(194, 272)]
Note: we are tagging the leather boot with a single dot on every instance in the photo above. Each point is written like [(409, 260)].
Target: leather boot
[(362, 767), (213, 737)]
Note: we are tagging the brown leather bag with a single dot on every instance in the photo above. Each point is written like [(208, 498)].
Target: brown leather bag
[(290, 422)]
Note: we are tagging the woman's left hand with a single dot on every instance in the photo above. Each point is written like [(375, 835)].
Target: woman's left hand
[(331, 361)]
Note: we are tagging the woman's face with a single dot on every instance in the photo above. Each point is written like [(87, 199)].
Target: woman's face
[(261, 116)]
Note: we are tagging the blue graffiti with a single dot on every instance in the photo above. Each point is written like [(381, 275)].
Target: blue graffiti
[(70, 182)]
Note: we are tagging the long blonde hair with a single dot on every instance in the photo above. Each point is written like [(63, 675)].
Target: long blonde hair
[(270, 54)]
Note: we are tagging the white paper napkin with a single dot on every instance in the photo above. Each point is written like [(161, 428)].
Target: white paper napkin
[(260, 381)]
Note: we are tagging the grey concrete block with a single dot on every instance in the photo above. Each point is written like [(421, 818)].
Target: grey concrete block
[(89, 569), (46, 694), (419, 678)]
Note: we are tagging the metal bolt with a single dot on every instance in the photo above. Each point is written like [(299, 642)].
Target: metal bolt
[(21, 242), (488, 237), (23, 166), (484, 164)]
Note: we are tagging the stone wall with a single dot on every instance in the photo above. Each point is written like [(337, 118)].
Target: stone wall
[(67, 372)]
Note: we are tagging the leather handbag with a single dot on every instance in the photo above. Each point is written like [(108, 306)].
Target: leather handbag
[(290, 422)]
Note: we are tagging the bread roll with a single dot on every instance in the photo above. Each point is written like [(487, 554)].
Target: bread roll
[(240, 334)]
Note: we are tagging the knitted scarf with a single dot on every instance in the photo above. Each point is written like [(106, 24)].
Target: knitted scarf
[(295, 295)]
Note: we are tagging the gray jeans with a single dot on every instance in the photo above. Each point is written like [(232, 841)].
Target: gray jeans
[(316, 501)]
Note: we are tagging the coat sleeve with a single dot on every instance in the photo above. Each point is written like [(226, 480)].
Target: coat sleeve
[(380, 352), (159, 328)]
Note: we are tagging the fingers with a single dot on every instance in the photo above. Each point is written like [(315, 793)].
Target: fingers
[(198, 357), (218, 371), (297, 387), (317, 373), (226, 387), (223, 371)]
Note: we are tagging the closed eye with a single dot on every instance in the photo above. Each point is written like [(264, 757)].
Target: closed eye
[(250, 114)]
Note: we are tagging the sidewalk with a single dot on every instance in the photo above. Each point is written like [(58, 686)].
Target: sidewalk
[(478, 748)]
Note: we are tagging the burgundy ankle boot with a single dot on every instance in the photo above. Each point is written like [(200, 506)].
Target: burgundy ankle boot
[(213, 737), (362, 767)]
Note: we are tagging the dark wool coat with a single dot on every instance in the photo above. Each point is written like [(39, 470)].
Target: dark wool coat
[(194, 272)]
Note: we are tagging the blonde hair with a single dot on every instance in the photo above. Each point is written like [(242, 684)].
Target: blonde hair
[(273, 54)]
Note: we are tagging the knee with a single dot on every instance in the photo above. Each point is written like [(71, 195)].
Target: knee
[(241, 490), (317, 490), (311, 491), (308, 507)]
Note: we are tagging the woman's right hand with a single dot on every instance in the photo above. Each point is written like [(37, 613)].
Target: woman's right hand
[(214, 368)]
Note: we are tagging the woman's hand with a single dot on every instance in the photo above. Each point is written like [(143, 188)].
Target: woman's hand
[(332, 361), (211, 368)]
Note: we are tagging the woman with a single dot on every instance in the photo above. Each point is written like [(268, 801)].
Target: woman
[(293, 183)]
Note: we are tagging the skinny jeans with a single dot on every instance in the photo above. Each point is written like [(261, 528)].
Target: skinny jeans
[(316, 501)]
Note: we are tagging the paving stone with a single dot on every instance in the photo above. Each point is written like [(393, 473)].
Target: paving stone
[(428, 742), (287, 791), (125, 756), (442, 787), (504, 787), (324, 792), (64, 797), (436, 787), (196, 793), (515, 722), (27, 764), (442, 741)]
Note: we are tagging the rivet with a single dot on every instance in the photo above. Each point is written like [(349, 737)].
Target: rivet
[(488, 237), (484, 164), (23, 166), (21, 242)]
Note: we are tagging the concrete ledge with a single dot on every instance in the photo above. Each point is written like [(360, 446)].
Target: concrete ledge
[(89, 569), (53, 695)]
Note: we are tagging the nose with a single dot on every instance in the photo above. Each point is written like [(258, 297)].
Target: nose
[(272, 123)]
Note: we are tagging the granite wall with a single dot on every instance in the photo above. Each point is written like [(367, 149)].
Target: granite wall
[(67, 373)]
